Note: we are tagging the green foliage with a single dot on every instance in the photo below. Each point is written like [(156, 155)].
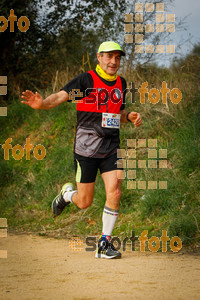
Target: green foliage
[(60, 33), (28, 186)]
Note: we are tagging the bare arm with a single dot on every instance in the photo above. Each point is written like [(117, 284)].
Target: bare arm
[(134, 117), (37, 102)]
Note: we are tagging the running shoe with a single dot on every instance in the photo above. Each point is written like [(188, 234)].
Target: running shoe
[(58, 204), (107, 250)]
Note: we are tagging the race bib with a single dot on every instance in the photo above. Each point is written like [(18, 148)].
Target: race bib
[(110, 120)]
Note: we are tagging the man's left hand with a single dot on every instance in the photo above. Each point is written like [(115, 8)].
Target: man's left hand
[(135, 118)]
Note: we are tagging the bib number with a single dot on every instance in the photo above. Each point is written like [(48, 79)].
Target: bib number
[(110, 120)]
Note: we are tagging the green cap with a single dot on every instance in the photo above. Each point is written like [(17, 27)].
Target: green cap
[(110, 46)]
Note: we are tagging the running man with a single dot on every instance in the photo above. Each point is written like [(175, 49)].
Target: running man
[(99, 114)]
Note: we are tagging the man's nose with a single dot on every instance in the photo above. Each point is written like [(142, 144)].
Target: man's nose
[(113, 60)]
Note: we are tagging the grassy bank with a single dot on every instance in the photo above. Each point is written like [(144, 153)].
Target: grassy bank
[(28, 186)]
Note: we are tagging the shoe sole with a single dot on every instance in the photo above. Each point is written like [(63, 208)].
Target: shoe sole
[(107, 257)]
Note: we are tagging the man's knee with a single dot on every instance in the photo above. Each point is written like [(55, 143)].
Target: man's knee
[(118, 193), (116, 189), (84, 201)]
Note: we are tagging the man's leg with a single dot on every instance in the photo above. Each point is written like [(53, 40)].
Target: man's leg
[(86, 171), (113, 188), (110, 213), (84, 196), (113, 194)]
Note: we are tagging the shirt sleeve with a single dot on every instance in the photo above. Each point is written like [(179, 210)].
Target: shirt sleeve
[(78, 85)]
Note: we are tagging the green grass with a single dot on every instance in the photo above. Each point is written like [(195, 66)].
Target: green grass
[(28, 186)]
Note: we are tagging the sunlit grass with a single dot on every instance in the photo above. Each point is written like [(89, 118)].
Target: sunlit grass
[(28, 187)]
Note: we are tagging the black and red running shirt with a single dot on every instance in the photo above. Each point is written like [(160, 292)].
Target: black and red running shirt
[(99, 96)]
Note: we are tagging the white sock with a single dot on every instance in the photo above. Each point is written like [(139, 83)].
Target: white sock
[(68, 196), (109, 218)]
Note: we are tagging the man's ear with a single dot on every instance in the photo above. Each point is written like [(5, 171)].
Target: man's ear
[(98, 56)]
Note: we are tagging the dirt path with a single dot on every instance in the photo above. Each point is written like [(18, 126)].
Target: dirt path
[(40, 268)]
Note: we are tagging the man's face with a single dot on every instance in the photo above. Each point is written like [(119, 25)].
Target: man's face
[(110, 61)]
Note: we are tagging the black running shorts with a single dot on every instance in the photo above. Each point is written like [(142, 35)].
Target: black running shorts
[(86, 168)]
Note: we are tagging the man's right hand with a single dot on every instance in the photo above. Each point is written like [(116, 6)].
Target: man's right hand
[(33, 100)]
